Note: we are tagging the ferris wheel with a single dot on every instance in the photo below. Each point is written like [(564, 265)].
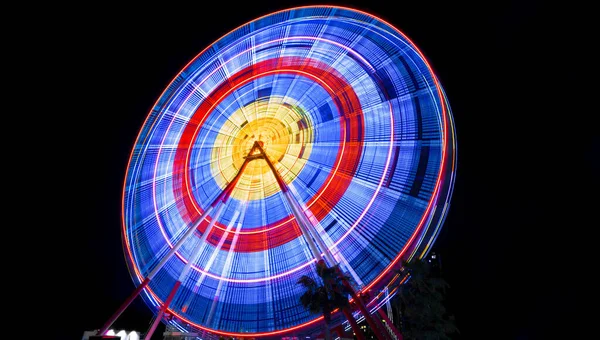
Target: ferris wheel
[(311, 134)]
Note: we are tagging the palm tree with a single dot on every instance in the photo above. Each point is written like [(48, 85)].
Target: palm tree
[(420, 303), (316, 300), (327, 297)]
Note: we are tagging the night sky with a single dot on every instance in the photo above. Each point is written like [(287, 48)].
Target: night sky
[(522, 203)]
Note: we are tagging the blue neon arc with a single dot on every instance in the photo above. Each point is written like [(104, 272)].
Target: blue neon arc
[(386, 206)]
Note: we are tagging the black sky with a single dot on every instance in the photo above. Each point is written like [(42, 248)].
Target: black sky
[(526, 156)]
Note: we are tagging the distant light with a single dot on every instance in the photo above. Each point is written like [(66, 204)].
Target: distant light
[(433, 256), (133, 335), (122, 334)]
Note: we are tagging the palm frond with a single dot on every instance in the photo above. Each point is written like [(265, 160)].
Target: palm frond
[(307, 282)]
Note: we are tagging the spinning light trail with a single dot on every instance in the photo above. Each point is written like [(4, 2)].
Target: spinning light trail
[(356, 126)]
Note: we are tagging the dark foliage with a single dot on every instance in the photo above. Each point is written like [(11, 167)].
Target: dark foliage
[(420, 301)]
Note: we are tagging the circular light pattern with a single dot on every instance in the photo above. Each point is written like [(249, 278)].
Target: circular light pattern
[(353, 121), (281, 128)]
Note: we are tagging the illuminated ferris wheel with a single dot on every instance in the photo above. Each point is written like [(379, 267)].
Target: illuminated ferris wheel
[(314, 133)]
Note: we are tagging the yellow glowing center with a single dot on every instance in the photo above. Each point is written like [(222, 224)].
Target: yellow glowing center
[(282, 129)]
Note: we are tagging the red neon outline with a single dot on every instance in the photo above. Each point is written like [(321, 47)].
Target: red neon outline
[(346, 162)]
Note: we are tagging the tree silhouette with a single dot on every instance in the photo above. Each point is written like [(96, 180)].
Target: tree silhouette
[(328, 297), (420, 301)]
